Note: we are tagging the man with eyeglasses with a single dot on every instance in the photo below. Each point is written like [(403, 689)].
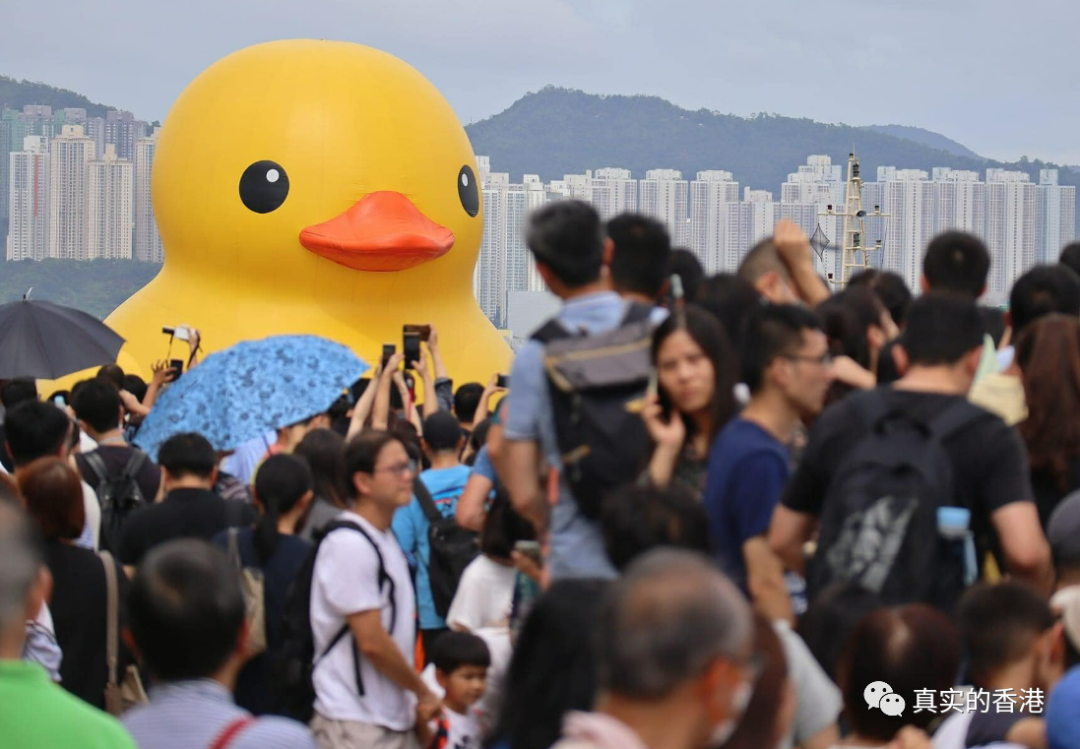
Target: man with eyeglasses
[(363, 610), (675, 659), (786, 364)]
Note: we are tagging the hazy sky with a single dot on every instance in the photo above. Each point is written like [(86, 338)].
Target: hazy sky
[(992, 74)]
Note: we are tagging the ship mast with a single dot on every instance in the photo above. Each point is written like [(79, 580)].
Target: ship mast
[(854, 254)]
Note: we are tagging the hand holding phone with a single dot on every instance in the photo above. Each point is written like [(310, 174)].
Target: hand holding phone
[(388, 350), (410, 346)]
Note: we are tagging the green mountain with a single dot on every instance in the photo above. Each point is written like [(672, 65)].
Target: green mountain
[(16, 94), (927, 138), (97, 287), (558, 131)]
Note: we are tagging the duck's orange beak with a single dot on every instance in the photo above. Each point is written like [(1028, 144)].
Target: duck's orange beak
[(384, 232)]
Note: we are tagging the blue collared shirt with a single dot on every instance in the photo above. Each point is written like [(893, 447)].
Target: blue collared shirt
[(192, 714), (577, 549)]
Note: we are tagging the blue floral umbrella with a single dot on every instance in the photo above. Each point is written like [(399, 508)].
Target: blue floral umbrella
[(242, 392)]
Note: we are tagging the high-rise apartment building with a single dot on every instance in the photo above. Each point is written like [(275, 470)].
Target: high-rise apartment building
[(910, 200), (147, 246), (1011, 208), (820, 184), (28, 231), (70, 154), (961, 201), (123, 130), (709, 195), (109, 192), (664, 195), (613, 191), (1055, 224)]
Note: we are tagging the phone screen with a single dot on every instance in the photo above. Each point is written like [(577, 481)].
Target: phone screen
[(178, 365), (388, 350), (411, 348)]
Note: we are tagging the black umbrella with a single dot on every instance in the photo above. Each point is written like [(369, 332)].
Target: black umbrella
[(46, 341)]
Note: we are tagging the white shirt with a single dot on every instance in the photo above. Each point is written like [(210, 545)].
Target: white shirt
[(487, 709), (346, 582), (463, 731), (484, 596), (92, 529)]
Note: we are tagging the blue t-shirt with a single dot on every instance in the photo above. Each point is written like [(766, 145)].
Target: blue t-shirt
[(482, 466), (410, 526), (747, 471)]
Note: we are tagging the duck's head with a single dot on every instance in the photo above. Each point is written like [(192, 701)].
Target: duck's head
[(286, 155)]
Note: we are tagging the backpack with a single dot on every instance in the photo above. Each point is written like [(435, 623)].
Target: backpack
[(879, 525), (452, 549), (293, 661), (119, 495), (598, 383)]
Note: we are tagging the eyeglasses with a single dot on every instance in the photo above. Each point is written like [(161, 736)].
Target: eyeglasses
[(825, 360), (400, 469)]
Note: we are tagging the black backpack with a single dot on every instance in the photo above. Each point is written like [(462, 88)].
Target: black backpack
[(292, 659), (879, 525), (598, 384), (451, 547), (119, 495)]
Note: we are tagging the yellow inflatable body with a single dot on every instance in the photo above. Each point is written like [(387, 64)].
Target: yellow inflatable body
[(315, 187)]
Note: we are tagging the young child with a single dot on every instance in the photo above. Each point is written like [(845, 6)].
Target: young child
[(460, 662)]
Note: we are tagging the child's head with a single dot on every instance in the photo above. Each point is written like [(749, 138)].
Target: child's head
[(503, 527), (461, 663), (1005, 625)]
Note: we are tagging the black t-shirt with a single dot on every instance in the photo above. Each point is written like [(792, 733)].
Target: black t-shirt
[(78, 609), (184, 513), (1049, 492), (989, 461), (279, 571), (116, 458)]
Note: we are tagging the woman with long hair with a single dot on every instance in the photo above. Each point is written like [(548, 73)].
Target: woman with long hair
[(694, 399), (324, 451), (1048, 353), (283, 493), (858, 327)]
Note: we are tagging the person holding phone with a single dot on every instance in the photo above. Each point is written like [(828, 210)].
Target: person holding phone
[(693, 397)]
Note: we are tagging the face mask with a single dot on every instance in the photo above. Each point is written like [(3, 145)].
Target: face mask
[(739, 701)]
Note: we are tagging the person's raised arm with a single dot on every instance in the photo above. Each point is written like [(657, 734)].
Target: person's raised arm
[(162, 373), (362, 408), (765, 581), (423, 371), (521, 477), (380, 415), (483, 410), (788, 531), (436, 354), (1027, 554), (411, 413), (794, 249), (194, 339)]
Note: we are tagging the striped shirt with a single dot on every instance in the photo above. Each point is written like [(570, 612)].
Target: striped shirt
[(193, 714)]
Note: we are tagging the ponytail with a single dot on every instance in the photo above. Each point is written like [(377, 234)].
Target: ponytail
[(282, 481)]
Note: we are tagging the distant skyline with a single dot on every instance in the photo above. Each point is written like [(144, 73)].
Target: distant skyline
[(993, 75)]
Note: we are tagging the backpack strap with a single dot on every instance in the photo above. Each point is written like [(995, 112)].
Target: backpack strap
[(383, 578), (131, 471), (552, 330), (636, 312), (112, 618), (97, 465), (426, 501)]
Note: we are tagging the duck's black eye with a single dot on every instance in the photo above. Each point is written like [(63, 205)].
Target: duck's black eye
[(264, 186), (468, 191)]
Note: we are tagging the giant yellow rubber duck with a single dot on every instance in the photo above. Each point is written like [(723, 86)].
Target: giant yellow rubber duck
[(315, 187)]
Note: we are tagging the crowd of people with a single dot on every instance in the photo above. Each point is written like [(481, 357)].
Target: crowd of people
[(744, 511)]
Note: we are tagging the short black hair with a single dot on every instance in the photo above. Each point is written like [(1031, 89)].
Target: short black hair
[(97, 402), (503, 527), (642, 260), (454, 650), (941, 329), (637, 519), (185, 610), (1043, 290), (18, 391), (998, 624), (362, 453), (688, 268), (188, 454), (114, 374), (890, 288), (35, 430), (567, 236), (958, 262), (136, 386), (1070, 257), (467, 400), (774, 330)]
